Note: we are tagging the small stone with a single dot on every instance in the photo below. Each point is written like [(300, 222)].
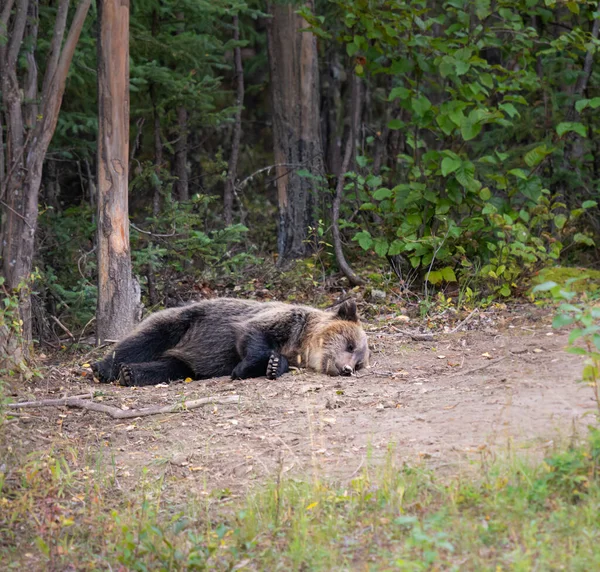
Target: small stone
[(179, 459)]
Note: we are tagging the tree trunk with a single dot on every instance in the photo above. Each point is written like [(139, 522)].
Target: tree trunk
[(117, 304), (158, 161), (355, 106), (24, 155), (296, 131), (181, 151), (237, 128), (574, 146)]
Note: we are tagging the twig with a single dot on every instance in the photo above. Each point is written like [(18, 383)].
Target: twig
[(152, 233), (117, 413), (453, 331), (476, 369), (241, 185), (63, 327)]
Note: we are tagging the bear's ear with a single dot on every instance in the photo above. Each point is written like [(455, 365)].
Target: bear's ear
[(347, 311)]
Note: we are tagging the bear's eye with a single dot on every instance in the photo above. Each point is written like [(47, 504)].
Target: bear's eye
[(350, 348)]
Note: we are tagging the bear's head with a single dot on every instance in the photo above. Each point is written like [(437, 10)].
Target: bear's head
[(338, 345)]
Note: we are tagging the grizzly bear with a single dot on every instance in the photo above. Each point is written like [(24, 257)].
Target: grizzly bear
[(240, 338)]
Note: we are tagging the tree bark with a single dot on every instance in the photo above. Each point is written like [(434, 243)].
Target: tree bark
[(237, 128), (352, 277), (296, 131), (117, 304), (26, 150)]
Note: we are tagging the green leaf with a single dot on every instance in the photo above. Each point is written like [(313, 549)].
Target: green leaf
[(519, 173), (569, 126), (505, 291), (465, 175), (420, 105), (364, 239), (434, 277), (581, 238), (469, 129), (561, 320), (381, 246), (545, 286), (396, 124), (485, 194), (399, 93), (595, 102), (536, 156), (560, 220), (381, 194), (397, 247), (510, 109), (589, 204), (581, 105), (361, 160), (448, 274), (351, 49), (449, 165)]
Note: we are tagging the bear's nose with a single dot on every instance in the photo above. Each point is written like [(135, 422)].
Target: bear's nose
[(347, 370)]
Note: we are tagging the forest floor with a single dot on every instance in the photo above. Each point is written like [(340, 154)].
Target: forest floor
[(504, 383)]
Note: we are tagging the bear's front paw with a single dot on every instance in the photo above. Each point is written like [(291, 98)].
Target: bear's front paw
[(277, 366), (126, 376), (102, 372)]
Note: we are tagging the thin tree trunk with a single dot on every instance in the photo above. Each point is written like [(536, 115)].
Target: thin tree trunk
[(237, 128), (158, 161), (335, 118), (294, 71), (356, 105), (117, 304), (574, 148), (181, 152), (25, 155)]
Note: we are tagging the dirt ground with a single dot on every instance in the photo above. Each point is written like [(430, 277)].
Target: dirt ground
[(506, 381)]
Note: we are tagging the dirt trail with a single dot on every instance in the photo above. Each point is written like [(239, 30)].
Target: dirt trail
[(444, 401)]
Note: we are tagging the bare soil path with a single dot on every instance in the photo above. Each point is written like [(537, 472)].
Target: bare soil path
[(507, 382)]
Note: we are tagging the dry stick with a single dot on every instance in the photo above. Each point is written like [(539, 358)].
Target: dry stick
[(117, 413), (476, 369), (414, 336), (453, 331), (63, 327)]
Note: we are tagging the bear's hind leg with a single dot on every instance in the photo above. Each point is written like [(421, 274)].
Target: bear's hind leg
[(154, 372), (140, 347)]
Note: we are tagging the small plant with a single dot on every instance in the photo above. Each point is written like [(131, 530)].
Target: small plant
[(584, 338)]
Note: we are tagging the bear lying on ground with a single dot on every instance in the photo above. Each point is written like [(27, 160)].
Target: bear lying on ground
[(240, 338)]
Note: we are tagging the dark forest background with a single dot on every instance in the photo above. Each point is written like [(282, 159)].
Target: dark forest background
[(428, 146)]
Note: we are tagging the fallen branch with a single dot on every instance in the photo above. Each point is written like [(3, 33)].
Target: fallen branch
[(63, 327), (476, 369), (50, 402), (117, 413)]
